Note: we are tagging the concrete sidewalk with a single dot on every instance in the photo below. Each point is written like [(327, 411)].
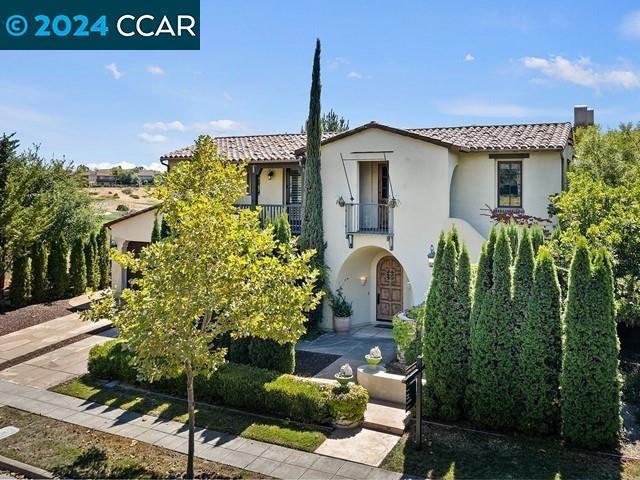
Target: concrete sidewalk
[(260, 457), (57, 366), (36, 337)]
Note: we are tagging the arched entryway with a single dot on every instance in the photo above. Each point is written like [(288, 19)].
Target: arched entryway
[(389, 288), (135, 248)]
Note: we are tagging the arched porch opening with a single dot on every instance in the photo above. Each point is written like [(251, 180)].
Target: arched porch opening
[(376, 284)]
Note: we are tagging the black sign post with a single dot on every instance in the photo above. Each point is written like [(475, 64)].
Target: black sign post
[(413, 386)]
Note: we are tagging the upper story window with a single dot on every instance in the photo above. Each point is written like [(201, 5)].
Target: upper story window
[(510, 184)]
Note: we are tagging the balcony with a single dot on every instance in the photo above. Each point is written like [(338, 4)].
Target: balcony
[(368, 219), (271, 211)]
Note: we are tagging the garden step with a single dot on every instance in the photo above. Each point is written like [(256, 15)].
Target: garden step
[(386, 417)]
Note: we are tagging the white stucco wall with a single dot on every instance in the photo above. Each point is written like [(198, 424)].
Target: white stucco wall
[(474, 185), (134, 229), (419, 173), (271, 191)]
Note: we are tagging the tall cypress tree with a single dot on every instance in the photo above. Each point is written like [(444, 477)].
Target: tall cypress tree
[(19, 289), (537, 237), (493, 372), (436, 334), (39, 289), (78, 268), (165, 229), (57, 276), (541, 351), (512, 234), (312, 234), (8, 147), (104, 264), (590, 380), (90, 262), (155, 233)]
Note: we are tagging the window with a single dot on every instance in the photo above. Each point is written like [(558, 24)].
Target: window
[(294, 187), (510, 184)]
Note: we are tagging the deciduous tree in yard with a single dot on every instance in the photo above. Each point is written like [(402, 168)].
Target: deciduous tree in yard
[(57, 275), (216, 275), (39, 288), (541, 351), (78, 268), (590, 381)]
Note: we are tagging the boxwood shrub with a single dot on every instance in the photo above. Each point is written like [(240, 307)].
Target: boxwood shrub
[(244, 387), (260, 353)]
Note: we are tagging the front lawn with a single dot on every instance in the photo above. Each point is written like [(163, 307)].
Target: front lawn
[(71, 451), (453, 453), (207, 416)]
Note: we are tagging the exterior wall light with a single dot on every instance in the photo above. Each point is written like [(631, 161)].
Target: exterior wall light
[(270, 175), (340, 202), (431, 256), (363, 280), (113, 244)]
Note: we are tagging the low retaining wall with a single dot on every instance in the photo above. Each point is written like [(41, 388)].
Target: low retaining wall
[(381, 385)]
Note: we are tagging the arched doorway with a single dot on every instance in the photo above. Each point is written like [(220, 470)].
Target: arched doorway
[(136, 248), (389, 296)]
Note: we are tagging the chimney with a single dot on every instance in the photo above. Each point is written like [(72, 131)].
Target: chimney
[(582, 116)]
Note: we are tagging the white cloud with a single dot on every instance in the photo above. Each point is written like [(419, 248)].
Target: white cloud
[(469, 58), (151, 138), (225, 126), (582, 72), (354, 74), (155, 70), (338, 62), (630, 25), (469, 107), (113, 69), (175, 126)]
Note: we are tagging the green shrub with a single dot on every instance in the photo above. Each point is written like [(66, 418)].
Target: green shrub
[(127, 191), (241, 386), (121, 207), (111, 361), (404, 334), (104, 263), (347, 404), (340, 305), (90, 262), (155, 232), (272, 355)]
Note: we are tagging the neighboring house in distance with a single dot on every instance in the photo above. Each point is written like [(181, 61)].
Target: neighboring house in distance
[(106, 177), (387, 195)]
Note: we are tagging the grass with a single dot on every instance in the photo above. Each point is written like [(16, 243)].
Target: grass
[(453, 453), (70, 451), (247, 425)]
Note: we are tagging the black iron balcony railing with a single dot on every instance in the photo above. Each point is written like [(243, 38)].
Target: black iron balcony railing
[(271, 211), (374, 218)]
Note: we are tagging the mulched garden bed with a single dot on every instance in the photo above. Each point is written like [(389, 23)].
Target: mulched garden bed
[(24, 317), (309, 363)]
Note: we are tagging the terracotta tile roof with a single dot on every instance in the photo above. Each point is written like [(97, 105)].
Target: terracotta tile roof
[(254, 148), (540, 136), (484, 138)]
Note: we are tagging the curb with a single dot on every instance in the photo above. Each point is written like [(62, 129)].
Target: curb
[(20, 468)]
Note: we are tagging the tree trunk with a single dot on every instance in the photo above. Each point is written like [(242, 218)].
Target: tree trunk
[(191, 405)]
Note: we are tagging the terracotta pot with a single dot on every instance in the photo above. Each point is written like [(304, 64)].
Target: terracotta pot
[(341, 324)]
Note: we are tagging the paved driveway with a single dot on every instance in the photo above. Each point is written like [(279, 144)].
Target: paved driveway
[(352, 347)]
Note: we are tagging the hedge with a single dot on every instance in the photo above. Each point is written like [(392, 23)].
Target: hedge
[(261, 353), (244, 387)]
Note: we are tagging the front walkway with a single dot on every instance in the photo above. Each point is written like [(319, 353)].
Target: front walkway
[(260, 457), (352, 347)]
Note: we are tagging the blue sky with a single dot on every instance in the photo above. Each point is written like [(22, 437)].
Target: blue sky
[(404, 63)]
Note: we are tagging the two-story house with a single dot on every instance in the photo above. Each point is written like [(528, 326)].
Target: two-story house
[(387, 195)]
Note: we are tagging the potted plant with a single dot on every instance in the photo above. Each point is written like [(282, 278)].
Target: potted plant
[(342, 312), (345, 375), (404, 334), (374, 357)]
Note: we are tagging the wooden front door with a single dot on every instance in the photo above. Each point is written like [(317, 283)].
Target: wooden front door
[(389, 288)]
